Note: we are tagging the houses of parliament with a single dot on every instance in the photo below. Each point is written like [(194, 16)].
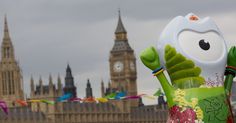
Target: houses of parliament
[(123, 74)]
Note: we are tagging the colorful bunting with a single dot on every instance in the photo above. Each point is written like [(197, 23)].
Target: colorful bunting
[(68, 97)]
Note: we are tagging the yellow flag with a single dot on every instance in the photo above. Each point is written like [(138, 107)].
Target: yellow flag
[(103, 100), (33, 101)]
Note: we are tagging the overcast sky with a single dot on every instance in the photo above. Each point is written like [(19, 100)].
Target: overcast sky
[(48, 34)]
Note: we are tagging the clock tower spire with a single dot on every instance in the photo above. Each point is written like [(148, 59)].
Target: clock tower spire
[(120, 33), (123, 63)]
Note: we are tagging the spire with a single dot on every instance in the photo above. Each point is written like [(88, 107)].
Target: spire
[(6, 31), (69, 82), (109, 84), (41, 85), (102, 89), (69, 75), (51, 89), (88, 83), (89, 91), (50, 80), (40, 81), (68, 69), (7, 47), (31, 80), (58, 80), (120, 27), (120, 33), (32, 84), (59, 85)]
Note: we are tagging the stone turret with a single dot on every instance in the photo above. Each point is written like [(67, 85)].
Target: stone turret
[(69, 82), (89, 91)]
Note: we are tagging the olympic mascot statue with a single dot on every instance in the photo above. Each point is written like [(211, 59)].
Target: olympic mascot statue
[(194, 54)]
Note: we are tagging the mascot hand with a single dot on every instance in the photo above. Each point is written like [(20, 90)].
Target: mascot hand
[(150, 58)]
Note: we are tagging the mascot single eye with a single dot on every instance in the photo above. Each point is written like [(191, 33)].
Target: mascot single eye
[(208, 46), (204, 45)]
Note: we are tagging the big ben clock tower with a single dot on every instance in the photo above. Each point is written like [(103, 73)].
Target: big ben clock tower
[(123, 63)]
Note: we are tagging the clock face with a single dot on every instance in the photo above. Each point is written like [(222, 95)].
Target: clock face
[(132, 66), (118, 66)]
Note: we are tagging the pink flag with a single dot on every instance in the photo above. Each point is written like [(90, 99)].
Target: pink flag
[(3, 106), (75, 99)]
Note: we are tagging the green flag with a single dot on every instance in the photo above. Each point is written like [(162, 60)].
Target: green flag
[(48, 102), (111, 96)]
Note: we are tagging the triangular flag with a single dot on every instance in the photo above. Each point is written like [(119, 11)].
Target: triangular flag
[(4, 107)]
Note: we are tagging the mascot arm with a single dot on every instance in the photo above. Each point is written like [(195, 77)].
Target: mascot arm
[(150, 59), (230, 69)]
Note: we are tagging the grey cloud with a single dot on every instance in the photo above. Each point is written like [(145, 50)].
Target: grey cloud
[(90, 11)]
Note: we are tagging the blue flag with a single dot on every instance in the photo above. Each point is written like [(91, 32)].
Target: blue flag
[(120, 95), (64, 97)]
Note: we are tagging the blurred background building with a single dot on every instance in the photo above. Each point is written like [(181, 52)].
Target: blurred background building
[(123, 74)]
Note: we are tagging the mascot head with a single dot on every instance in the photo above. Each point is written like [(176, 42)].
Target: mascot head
[(199, 40)]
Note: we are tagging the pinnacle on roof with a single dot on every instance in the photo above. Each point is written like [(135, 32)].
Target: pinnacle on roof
[(6, 32), (6, 35), (120, 27), (88, 83), (68, 68)]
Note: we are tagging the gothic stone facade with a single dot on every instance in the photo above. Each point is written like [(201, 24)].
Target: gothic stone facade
[(10, 73)]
